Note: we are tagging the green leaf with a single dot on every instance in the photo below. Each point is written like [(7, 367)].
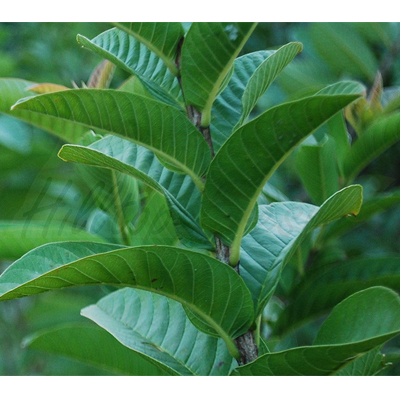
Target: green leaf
[(226, 110), (208, 53), (343, 49), (264, 76), (375, 205), (19, 237), (160, 37), (382, 134), (317, 167), (369, 364), (132, 56), (322, 289), (92, 346), (12, 90), (362, 322), (281, 228), (249, 157), (114, 193), (182, 196), (344, 87), (213, 291), (154, 225), (158, 328), (159, 127)]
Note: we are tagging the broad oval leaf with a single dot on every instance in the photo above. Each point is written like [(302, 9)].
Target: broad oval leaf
[(158, 328), (209, 288), (208, 52), (280, 230), (160, 37), (362, 322), (127, 53), (159, 127), (93, 346), (248, 158), (12, 90), (182, 196)]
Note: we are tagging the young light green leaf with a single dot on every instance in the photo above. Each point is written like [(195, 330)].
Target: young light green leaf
[(126, 52), (158, 328), (362, 322), (12, 90), (159, 127), (382, 134), (208, 53), (162, 38), (318, 171), (322, 289), (249, 157), (213, 291), (93, 346), (102, 75), (19, 237), (182, 196), (264, 76), (281, 229)]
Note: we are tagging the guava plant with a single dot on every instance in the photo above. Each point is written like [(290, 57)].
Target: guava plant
[(193, 299)]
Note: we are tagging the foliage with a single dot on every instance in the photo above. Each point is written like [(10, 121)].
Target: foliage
[(176, 199)]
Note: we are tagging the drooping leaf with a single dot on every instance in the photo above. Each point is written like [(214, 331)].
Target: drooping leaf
[(317, 167), (19, 237), (93, 346), (362, 322), (160, 37), (208, 53), (158, 328), (213, 291), (248, 158), (12, 90), (159, 127), (264, 76), (182, 196), (280, 230), (321, 290), (382, 134), (126, 52)]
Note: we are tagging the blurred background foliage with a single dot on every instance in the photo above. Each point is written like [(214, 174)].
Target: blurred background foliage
[(35, 185)]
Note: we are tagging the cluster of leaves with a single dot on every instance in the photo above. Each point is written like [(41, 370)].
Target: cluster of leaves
[(177, 171)]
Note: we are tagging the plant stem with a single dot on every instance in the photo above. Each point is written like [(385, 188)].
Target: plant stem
[(245, 343)]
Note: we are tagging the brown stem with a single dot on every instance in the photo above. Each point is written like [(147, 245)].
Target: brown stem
[(245, 343)]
